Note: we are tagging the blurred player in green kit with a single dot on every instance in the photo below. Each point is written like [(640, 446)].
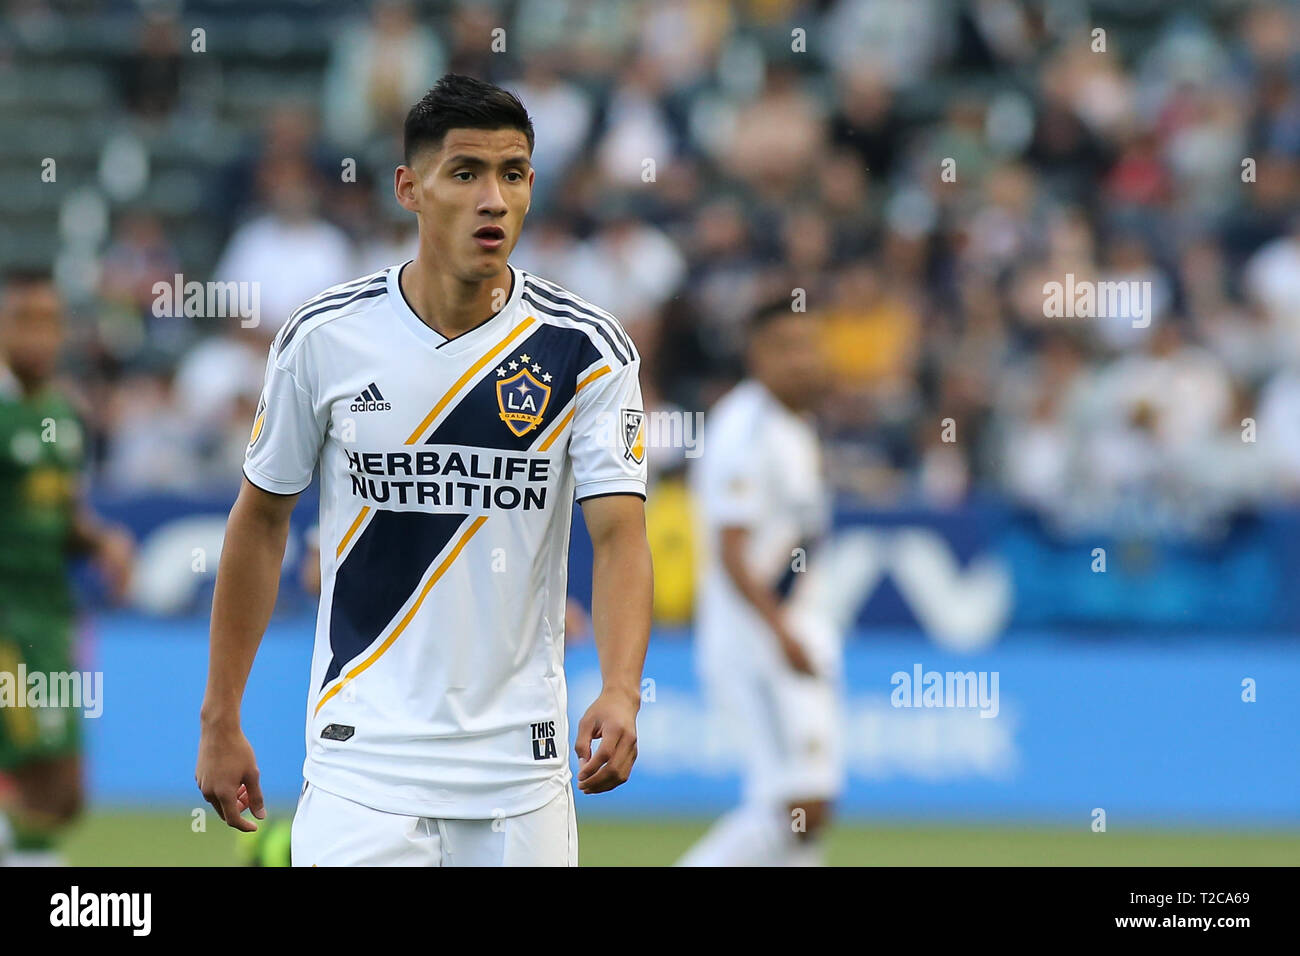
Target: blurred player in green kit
[(43, 525)]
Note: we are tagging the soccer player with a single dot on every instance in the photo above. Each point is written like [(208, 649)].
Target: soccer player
[(456, 406), (43, 522), (768, 658)]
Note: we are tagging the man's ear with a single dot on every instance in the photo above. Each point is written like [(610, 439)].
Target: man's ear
[(404, 188)]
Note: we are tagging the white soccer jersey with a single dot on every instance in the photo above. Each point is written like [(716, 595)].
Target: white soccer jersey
[(448, 470), (760, 469)]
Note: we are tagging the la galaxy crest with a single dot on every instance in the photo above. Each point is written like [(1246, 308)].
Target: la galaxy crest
[(522, 397)]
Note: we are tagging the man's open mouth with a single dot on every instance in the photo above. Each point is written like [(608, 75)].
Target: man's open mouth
[(489, 235)]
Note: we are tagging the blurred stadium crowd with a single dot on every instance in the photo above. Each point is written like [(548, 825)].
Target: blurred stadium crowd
[(776, 167)]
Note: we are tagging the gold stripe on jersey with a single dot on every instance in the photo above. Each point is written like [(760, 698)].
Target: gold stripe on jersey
[(469, 374), (356, 523), (603, 370), (558, 429), (409, 616), (568, 416)]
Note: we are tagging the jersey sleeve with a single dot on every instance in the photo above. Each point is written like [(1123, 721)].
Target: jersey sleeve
[(288, 431), (728, 488), (609, 433)]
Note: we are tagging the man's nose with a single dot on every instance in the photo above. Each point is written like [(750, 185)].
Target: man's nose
[(492, 200)]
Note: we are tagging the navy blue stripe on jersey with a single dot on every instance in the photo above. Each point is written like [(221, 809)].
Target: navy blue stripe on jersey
[(785, 584), (558, 294), (476, 420), (366, 396), (381, 572), (375, 390), (378, 287), (557, 312), (328, 295)]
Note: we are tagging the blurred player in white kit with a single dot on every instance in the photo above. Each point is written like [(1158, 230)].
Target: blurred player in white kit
[(769, 657)]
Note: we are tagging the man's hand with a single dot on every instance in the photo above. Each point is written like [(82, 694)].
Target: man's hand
[(795, 654), (247, 579), (622, 589), (612, 719), (228, 778), (114, 556)]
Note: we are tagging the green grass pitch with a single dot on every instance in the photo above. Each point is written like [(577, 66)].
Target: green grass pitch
[(167, 838)]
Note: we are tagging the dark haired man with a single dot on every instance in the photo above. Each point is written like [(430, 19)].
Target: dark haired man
[(456, 406), (43, 522), (767, 652)]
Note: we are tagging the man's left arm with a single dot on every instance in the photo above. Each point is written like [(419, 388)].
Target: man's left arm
[(622, 586), (109, 547)]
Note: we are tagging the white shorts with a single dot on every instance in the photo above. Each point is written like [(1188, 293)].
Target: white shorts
[(329, 830), (788, 727)]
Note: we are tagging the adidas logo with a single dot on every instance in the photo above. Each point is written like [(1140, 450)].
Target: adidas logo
[(370, 401)]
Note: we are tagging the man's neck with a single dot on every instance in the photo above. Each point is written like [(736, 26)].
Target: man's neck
[(20, 388), (785, 401), (451, 306)]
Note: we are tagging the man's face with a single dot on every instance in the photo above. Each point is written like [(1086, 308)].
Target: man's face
[(470, 196), (31, 330), (786, 355)]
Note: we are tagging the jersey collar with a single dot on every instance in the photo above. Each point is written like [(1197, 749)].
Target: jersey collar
[(466, 340)]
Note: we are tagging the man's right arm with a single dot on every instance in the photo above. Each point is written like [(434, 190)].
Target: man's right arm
[(732, 545), (733, 498), (248, 580)]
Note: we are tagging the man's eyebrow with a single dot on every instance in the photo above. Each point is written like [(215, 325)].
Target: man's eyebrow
[(465, 159)]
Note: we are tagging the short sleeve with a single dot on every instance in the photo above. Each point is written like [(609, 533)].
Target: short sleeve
[(287, 432), (727, 486), (608, 445)]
